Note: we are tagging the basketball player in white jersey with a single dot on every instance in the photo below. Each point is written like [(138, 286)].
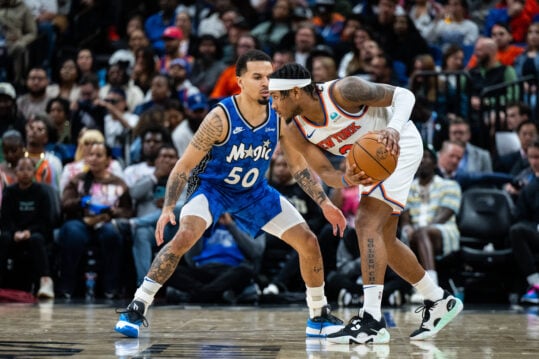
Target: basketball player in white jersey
[(331, 117)]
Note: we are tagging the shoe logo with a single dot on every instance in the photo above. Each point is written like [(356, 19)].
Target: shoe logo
[(135, 306), (237, 130), (451, 304), (309, 135)]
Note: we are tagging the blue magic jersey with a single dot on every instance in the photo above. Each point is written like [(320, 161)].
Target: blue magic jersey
[(232, 174)]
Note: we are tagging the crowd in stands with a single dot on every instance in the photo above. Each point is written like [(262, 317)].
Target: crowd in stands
[(99, 99)]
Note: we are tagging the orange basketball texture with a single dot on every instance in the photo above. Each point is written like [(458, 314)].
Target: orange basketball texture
[(372, 157)]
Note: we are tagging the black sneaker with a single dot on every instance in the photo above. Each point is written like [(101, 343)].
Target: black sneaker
[(362, 329), (131, 319), (436, 315), (324, 324)]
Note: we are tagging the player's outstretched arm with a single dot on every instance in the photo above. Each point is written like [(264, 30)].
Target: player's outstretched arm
[(212, 129)]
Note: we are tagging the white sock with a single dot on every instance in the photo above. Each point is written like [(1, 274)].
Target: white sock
[(433, 275), (428, 289), (533, 279), (372, 302), (316, 300), (146, 292)]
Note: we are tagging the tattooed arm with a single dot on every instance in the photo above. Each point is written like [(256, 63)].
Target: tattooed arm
[(302, 174), (213, 129)]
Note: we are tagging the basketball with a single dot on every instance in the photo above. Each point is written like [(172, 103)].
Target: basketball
[(372, 157)]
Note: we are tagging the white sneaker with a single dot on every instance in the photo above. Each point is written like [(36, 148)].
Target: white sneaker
[(46, 288), (436, 315), (271, 289)]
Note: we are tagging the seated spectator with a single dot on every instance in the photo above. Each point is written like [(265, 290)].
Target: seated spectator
[(172, 37), (25, 227), (156, 24), (119, 121), (87, 113), (148, 192), (475, 159), (10, 119), (524, 236), (507, 53), (355, 61), (432, 126), (515, 162), (184, 23), (227, 83), (517, 14), (449, 158), (218, 267), (270, 32), (145, 68), (44, 12), (67, 82), (90, 200), (197, 108), (60, 114), (179, 71), (48, 167), (451, 25), (324, 69), (86, 139), (207, 65), (121, 63), (13, 147), (160, 92), (428, 223), (328, 22), (19, 29), (35, 100)]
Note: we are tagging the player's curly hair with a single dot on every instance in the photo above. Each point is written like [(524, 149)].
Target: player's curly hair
[(294, 71)]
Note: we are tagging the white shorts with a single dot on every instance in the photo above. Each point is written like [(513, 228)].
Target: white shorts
[(288, 218), (394, 190)]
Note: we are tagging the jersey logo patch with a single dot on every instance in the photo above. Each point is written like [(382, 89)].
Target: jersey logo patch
[(333, 115), (237, 130)]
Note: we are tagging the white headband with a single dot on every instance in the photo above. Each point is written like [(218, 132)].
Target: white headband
[(287, 84)]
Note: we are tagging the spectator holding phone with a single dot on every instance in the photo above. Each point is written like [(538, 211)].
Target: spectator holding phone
[(91, 199)]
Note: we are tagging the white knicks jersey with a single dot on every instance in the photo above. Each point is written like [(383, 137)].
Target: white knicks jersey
[(341, 129)]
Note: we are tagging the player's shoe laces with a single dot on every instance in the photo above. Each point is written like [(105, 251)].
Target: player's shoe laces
[(324, 324), (531, 296), (131, 319), (436, 315), (361, 329)]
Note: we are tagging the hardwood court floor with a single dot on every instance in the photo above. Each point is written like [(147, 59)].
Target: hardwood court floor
[(60, 330)]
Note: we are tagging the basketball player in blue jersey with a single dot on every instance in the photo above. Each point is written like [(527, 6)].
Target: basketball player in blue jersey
[(224, 168), (331, 117)]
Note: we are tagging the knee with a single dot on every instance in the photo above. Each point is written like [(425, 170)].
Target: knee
[(309, 245), (184, 240)]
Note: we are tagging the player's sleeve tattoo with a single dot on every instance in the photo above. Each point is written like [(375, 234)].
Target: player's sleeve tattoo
[(356, 90), (175, 184), (310, 186), (208, 133)]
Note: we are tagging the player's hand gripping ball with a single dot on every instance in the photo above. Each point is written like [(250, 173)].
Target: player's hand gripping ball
[(372, 157)]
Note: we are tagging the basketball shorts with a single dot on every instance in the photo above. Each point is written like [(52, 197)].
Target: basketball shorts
[(394, 189)]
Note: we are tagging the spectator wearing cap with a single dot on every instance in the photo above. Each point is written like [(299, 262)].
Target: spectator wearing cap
[(118, 121), (121, 65), (227, 84), (155, 25), (270, 33), (329, 23), (179, 71), (172, 36), (9, 116), (197, 108)]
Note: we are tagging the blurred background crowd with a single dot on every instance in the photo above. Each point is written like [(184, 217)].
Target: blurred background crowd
[(98, 99)]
